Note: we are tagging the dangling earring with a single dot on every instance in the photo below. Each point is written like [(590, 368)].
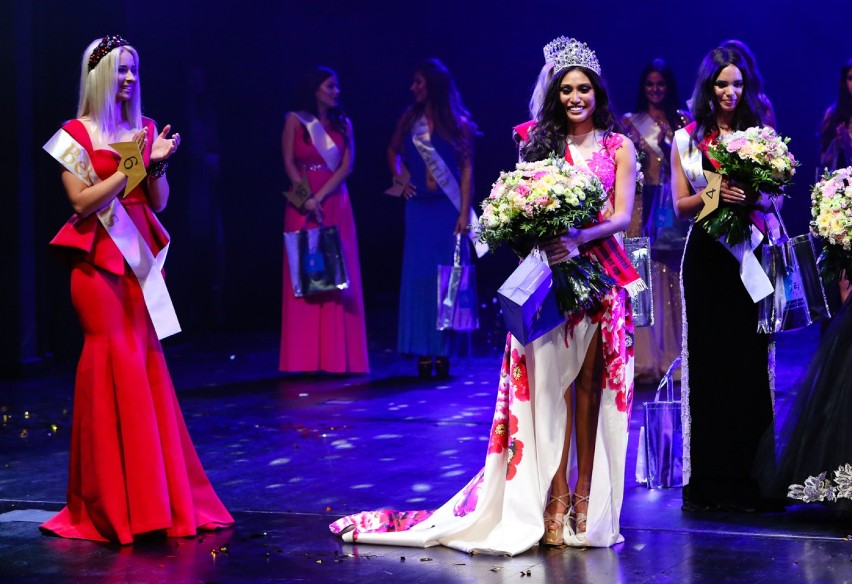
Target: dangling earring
[(712, 106)]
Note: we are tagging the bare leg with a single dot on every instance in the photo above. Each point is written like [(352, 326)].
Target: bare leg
[(559, 500), (587, 389)]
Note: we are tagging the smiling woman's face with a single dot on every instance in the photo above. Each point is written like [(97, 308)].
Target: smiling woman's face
[(127, 76), (728, 88)]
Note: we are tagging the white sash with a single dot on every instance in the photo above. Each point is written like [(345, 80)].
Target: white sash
[(444, 177), (125, 235), (754, 279), (322, 141), (649, 130)]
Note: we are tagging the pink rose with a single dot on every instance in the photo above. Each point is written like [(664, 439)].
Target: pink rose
[(736, 144)]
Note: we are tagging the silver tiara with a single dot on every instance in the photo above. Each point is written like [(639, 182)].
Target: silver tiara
[(565, 52)]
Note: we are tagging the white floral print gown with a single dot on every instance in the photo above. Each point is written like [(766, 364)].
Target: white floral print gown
[(500, 511)]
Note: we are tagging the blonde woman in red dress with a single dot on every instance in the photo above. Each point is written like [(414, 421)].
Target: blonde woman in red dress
[(133, 468)]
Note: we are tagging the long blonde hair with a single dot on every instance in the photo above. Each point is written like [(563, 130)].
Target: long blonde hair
[(98, 89), (540, 89)]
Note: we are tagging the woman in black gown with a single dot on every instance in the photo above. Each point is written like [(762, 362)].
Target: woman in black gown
[(726, 394)]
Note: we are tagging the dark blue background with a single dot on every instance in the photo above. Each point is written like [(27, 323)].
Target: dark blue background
[(250, 55)]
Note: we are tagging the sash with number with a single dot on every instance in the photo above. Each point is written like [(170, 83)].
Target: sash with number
[(444, 177), (322, 141), (608, 251), (754, 279), (145, 266)]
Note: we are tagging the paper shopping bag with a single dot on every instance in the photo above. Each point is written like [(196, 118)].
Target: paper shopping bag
[(528, 301)]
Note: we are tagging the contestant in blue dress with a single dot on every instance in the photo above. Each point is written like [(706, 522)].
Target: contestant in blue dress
[(433, 141)]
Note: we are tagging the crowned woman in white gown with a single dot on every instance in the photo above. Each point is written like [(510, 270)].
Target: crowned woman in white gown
[(577, 379)]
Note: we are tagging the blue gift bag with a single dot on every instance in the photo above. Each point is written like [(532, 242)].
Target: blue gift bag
[(528, 301)]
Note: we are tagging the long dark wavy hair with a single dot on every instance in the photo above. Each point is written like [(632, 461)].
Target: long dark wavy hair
[(839, 112), (306, 100), (451, 118), (551, 128), (672, 98), (749, 111)]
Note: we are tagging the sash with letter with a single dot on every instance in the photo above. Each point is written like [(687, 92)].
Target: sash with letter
[(444, 177), (145, 266), (329, 151), (754, 279)]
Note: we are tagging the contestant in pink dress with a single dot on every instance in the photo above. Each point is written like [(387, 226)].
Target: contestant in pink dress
[(325, 331)]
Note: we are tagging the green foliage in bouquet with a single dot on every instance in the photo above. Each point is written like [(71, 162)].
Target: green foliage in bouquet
[(579, 284), (730, 224)]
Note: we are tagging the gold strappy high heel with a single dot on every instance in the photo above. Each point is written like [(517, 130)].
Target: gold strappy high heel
[(556, 521), (579, 519)]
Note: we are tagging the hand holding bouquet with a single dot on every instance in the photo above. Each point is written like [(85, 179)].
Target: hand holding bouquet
[(757, 158), (831, 210), (542, 200)]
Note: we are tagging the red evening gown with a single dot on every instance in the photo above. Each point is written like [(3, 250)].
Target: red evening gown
[(133, 466)]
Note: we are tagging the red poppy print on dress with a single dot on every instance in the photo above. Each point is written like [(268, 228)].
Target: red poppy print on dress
[(516, 449), (498, 439), (519, 379), (616, 327), (624, 400)]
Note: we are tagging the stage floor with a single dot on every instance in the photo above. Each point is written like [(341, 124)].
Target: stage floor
[(289, 454)]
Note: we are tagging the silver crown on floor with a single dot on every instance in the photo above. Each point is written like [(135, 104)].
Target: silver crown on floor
[(566, 52)]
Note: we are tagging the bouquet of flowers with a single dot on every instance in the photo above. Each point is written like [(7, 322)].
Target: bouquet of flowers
[(831, 209), (539, 200), (756, 157)]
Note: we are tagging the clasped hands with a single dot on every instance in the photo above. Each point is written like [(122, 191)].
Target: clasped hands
[(313, 205), (734, 194)]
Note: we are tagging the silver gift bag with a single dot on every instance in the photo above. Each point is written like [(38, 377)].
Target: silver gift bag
[(798, 298), (457, 297), (639, 251), (659, 463)]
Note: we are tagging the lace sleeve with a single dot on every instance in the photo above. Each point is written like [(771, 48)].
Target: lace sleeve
[(613, 142)]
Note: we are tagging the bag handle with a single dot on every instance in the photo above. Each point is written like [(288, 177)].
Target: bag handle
[(668, 382), (461, 252), (777, 213), (457, 252)]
